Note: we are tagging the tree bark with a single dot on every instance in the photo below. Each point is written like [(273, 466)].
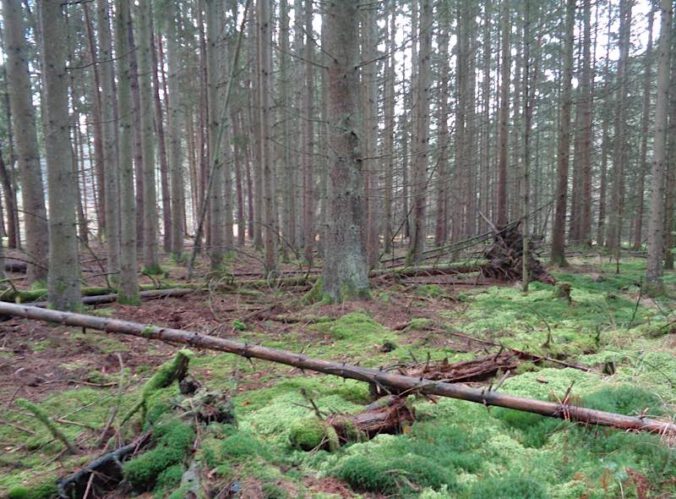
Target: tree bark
[(25, 134), (64, 268), (656, 228), (421, 151), (110, 161), (345, 273), (563, 154), (128, 291), (503, 117)]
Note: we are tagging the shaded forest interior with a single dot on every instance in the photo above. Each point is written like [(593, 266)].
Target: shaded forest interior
[(475, 194)]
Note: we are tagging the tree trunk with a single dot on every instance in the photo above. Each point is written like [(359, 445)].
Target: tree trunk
[(110, 163), (175, 111), (388, 139), (563, 154), (308, 139), (151, 259), (614, 236), (64, 269), (656, 226), (645, 129), (422, 119), (25, 134), (443, 136), (345, 267), (263, 14), (501, 208), (128, 291)]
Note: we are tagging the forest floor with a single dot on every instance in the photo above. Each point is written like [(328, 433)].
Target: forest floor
[(454, 449)]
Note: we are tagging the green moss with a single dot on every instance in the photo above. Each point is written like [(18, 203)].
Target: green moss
[(173, 440), (419, 324), (169, 478), (45, 490), (240, 446), (152, 270), (396, 475), (534, 429), (354, 326), (238, 325), (308, 434), (511, 486), (624, 399), (429, 291)]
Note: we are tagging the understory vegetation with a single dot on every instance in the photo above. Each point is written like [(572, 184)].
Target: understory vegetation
[(454, 448)]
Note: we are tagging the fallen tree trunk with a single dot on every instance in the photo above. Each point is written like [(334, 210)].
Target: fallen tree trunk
[(389, 414), (152, 294), (388, 381), (469, 370)]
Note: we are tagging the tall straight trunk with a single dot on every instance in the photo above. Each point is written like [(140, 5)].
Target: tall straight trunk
[(558, 256), (656, 226), (462, 74), (255, 105), (240, 160), (10, 203), (501, 208), (110, 171), (370, 121), (174, 105), (157, 66), (645, 129), (151, 259), (308, 138), (486, 143), (421, 134), (614, 237), (95, 98), (214, 15), (388, 139), (443, 180), (529, 82), (263, 15), (605, 143), (15, 242), (580, 210), (137, 134), (128, 291), (669, 219), (25, 134), (64, 268), (288, 228), (345, 273)]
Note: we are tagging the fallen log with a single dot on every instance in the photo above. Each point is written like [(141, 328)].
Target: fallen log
[(152, 294), (478, 369), (395, 382), (106, 469), (389, 414)]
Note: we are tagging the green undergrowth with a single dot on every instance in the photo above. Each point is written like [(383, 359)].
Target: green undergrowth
[(455, 448)]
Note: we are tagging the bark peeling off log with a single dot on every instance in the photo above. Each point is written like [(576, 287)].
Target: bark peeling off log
[(394, 382), (471, 370)]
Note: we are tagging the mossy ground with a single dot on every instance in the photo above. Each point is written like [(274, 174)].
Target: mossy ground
[(456, 448)]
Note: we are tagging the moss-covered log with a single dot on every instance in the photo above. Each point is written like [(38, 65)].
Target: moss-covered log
[(395, 382)]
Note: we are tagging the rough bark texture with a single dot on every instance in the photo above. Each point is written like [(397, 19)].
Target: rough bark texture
[(28, 156), (422, 119), (151, 260), (501, 208), (64, 268), (110, 161), (345, 266), (563, 153), (128, 290), (659, 169), (177, 171)]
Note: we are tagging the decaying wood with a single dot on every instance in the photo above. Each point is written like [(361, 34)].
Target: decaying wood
[(505, 258), (105, 469), (389, 381), (469, 370), (152, 294), (387, 415)]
